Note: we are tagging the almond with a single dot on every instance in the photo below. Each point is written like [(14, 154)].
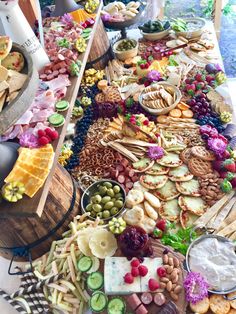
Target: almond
[(169, 269), (175, 279), (174, 296), (162, 285), (177, 289), (164, 279), (165, 259), (171, 261), (176, 261), (169, 286), (174, 274)]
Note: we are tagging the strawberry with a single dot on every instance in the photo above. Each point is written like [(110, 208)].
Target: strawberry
[(233, 182), (226, 154), (143, 270), (161, 224), (134, 271), (41, 133), (199, 77), (135, 263), (217, 165), (229, 165), (153, 284), (161, 271), (43, 141), (128, 278)]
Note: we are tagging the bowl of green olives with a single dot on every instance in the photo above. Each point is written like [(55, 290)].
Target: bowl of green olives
[(104, 199), (125, 49)]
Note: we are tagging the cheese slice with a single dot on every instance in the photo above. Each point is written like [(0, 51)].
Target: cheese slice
[(41, 173), (116, 267)]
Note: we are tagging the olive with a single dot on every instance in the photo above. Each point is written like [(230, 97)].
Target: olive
[(106, 199), (106, 214), (102, 190), (116, 189), (119, 196), (108, 205), (97, 208), (96, 193), (89, 208), (97, 199), (99, 215), (114, 211), (110, 192), (113, 199), (119, 204), (107, 184)]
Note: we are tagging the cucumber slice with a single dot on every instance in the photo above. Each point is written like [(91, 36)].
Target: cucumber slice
[(85, 263), (95, 266), (56, 119), (116, 306), (62, 105), (95, 280), (98, 302)]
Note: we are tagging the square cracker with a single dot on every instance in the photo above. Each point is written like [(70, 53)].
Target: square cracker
[(15, 80), (3, 86), (3, 73), (3, 96)]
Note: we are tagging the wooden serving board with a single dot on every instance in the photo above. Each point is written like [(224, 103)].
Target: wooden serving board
[(158, 249)]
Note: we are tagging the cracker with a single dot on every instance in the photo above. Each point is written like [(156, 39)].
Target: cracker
[(200, 307), (219, 305), (3, 86), (2, 100), (3, 74), (15, 80), (233, 302), (12, 96)]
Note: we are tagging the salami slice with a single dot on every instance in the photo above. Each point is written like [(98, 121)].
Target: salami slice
[(159, 299), (121, 178), (120, 168), (146, 298), (129, 185)]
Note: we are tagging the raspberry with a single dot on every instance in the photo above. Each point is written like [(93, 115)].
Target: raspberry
[(161, 271), (135, 272), (153, 284), (161, 224), (54, 135), (135, 263), (48, 131), (41, 133), (145, 122), (43, 141), (128, 278), (142, 270), (49, 138)]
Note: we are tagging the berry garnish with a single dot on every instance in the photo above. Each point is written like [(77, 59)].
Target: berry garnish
[(143, 270), (135, 263), (153, 284), (161, 271), (135, 272), (161, 224), (128, 278), (43, 141), (41, 133)]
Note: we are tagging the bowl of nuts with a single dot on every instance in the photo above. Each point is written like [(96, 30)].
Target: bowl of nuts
[(125, 49)]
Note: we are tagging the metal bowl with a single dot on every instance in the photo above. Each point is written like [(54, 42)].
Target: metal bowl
[(166, 109), (92, 189), (219, 238), (8, 157)]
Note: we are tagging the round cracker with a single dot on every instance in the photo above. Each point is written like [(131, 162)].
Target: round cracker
[(153, 182), (167, 192), (232, 311), (187, 218), (233, 302), (200, 307), (191, 188), (195, 205), (170, 210), (218, 304), (180, 173)]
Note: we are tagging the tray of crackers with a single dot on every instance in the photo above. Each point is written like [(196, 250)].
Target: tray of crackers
[(160, 98), (18, 82)]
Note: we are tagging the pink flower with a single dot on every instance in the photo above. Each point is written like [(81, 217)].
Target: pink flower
[(155, 152), (209, 130), (196, 287), (154, 75), (217, 145), (27, 139)]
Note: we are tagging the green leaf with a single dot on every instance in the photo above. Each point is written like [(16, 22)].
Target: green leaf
[(172, 61)]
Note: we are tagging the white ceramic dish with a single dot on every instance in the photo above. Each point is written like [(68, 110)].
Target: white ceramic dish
[(166, 109), (193, 33), (123, 55), (155, 36)]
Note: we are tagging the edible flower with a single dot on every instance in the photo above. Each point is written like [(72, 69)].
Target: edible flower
[(217, 145), (63, 43), (67, 19), (196, 287), (154, 76), (155, 152), (27, 139), (209, 130)]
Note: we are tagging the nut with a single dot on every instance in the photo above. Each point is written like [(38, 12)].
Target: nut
[(164, 279), (170, 269), (177, 289), (174, 274), (171, 261), (174, 296), (176, 261), (175, 279), (162, 285), (165, 258), (169, 286)]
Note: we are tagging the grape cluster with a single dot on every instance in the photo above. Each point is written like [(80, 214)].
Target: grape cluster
[(203, 112), (82, 127), (135, 108)]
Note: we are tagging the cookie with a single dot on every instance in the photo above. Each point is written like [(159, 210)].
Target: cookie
[(197, 47), (185, 155), (112, 94), (134, 216), (100, 98), (232, 311), (219, 305), (199, 167), (14, 61), (206, 43), (202, 153), (134, 197), (200, 307)]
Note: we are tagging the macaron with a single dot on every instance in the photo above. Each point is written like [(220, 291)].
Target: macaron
[(56, 120)]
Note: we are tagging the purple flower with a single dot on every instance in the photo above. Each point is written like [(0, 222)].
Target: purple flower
[(209, 130), (27, 139), (155, 152), (67, 19), (154, 75), (196, 287), (218, 67), (217, 145)]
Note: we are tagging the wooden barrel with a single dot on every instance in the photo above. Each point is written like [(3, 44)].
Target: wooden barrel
[(37, 233), (100, 52)]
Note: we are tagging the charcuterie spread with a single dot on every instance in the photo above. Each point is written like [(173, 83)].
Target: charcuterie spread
[(153, 151)]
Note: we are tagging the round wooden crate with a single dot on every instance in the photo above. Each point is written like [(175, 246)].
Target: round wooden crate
[(35, 234), (15, 109)]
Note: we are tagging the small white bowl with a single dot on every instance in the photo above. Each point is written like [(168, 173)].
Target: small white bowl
[(165, 110), (155, 36), (194, 33), (123, 55)]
